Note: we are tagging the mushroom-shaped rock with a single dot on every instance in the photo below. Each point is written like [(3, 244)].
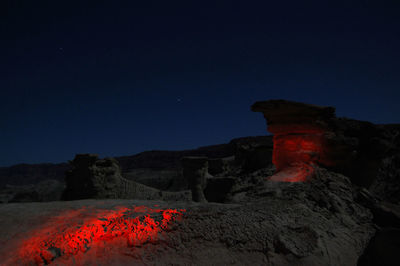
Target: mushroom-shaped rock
[(299, 135)]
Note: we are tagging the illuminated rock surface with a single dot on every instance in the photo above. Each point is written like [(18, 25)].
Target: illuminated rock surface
[(310, 134), (299, 131)]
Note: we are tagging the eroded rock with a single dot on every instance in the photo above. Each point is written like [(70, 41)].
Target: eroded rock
[(299, 131), (309, 223), (92, 177), (310, 134), (195, 170)]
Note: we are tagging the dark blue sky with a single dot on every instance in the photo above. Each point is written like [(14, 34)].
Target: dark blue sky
[(121, 77)]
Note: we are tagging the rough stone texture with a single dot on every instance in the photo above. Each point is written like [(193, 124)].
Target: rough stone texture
[(299, 131), (311, 223), (386, 185), (356, 149), (324, 221), (92, 177), (219, 165), (364, 152), (195, 170), (253, 153)]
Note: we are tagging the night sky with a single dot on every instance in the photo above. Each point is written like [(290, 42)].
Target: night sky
[(121, 77)]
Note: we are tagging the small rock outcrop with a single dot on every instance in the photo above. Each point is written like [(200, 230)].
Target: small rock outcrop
[(91, 177), (195, 170), (253, 153), (219, 165)]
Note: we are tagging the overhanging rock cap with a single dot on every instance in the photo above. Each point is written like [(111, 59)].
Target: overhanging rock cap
[(282, 115), (283, 107)]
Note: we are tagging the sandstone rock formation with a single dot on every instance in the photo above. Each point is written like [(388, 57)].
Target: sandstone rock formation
[(299, 136), (253, 153), (195, 170), (346, 213), (307, 134), (92, 177), (311, 223), (219, 165)]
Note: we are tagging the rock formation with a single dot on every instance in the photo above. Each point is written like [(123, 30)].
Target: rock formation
[(305, 135), (92, 177), (219, 165), (195, 170), (253, 153), (347, 213), (299, 136), (313, 223)]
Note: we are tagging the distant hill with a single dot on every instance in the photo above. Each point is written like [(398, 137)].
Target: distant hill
[(26, 174)]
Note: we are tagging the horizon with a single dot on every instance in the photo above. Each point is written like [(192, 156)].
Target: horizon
[(117, 79)]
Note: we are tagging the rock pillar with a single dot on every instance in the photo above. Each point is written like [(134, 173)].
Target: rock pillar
[(195, 170), (299, 135)]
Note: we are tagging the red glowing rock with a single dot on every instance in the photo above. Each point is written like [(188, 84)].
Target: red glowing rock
[(76, 232), (299, 130)]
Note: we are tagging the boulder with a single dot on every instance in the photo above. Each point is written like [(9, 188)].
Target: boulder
[(92, 177)]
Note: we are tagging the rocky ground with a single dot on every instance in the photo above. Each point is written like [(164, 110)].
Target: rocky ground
[(314, 223)]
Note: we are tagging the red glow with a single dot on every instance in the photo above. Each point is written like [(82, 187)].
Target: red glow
[(291, 149), (295, 173), (76, 232), (295, 154)]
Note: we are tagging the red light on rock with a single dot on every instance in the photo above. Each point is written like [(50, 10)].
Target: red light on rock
[(296, 149), (76, 232), (299, 130)]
